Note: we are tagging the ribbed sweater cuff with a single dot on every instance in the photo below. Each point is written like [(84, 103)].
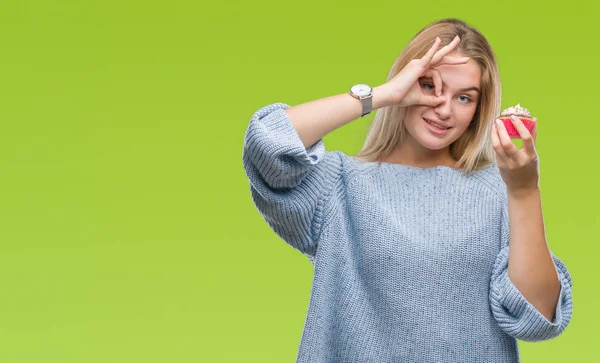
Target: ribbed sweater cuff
[(522, 320), (288, 141)]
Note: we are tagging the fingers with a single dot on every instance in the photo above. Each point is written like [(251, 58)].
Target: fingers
[(431, 52), (435, 75), (453, 60), (444, 51), (431, 101), (506, 145), (527, 138), (496, 142)]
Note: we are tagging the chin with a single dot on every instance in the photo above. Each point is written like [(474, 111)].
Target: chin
[(435, 146), (433, 143)]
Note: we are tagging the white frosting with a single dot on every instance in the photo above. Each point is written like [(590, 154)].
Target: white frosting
[(516, 110)]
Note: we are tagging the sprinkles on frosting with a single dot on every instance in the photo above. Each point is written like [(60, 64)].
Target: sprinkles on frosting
[(516, 110)]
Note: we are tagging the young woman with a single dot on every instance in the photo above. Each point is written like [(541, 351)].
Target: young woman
[(429, 245)]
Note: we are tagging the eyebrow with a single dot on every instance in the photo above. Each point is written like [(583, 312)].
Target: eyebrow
[(470, 89), (466, 89)]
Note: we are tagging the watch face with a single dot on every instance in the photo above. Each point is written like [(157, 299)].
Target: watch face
[(361, 89)]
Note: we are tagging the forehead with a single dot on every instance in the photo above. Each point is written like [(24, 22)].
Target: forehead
[(457, 76)]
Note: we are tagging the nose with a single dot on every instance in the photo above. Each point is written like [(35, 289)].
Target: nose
[(443, 110)]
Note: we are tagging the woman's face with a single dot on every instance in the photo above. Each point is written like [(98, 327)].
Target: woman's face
[(460, 91)]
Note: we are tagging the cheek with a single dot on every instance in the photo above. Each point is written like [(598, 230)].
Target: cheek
[(465, 115), (413, 113)]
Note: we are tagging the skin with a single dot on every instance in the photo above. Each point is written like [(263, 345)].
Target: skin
[(530, 266), (421, 147), (438, 87)]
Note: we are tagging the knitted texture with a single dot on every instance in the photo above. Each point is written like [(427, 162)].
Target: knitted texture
[(410, 264)]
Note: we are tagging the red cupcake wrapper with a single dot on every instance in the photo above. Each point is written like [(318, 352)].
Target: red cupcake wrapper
[(512, 130)]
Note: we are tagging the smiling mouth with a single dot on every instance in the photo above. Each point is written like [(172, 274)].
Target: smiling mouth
[(438, 126)]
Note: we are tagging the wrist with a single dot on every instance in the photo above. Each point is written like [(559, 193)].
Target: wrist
[(381, 97), (524, 193)]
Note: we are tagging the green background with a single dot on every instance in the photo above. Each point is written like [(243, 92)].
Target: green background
[(127, 230)]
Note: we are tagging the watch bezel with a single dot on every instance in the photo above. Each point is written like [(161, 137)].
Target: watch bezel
[(362, 94)]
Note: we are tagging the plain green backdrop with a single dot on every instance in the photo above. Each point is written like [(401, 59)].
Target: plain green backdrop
[(127, 230)]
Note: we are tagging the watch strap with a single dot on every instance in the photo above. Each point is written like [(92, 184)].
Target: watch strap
[(367, 104)]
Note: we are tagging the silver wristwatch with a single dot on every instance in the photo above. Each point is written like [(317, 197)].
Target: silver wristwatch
[(364, 93)]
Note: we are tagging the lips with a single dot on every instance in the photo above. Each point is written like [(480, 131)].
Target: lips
[(436, 124)]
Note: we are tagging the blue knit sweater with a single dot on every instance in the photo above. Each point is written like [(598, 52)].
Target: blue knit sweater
[(410, 264)]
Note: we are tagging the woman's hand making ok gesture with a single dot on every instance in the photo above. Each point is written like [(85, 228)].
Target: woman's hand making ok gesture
[(404, 88)]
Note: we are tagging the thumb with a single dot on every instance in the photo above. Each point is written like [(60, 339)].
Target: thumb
[(432, 100)]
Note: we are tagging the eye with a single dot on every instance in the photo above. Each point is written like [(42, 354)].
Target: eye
[(428, 86), (465, 98)]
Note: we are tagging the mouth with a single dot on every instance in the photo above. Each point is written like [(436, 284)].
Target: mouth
[(436, 125)]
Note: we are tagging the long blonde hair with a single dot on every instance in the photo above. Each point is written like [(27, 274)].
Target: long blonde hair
[(473, 149)]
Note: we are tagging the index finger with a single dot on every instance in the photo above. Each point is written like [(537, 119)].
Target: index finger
[(431, 52), (527, 138), (447, 49)]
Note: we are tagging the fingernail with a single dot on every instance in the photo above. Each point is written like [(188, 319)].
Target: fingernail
[(456, 37), (498, 122)]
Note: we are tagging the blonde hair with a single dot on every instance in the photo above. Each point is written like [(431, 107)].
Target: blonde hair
[(473, 149)]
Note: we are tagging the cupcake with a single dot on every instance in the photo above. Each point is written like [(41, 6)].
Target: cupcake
[(521, 113)]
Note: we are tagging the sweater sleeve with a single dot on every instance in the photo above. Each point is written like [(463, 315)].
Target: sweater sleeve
[(515, 315), (289, 183)]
